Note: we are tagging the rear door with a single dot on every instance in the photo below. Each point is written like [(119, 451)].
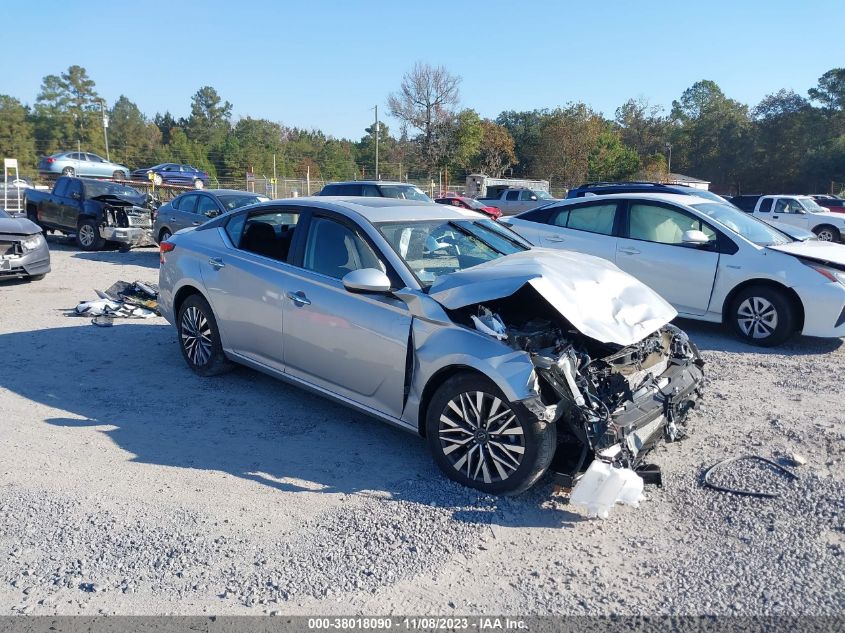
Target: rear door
[(651, 249), (248, 280), (587, 228), (352, 344), (185, 214)]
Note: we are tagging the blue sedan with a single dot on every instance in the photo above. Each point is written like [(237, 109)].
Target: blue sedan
[(174, 174)]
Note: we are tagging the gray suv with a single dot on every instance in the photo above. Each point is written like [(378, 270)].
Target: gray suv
[(375, 189)]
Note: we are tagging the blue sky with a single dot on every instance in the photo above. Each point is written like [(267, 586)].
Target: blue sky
[(322, 64)]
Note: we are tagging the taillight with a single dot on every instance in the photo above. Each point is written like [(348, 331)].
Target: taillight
[(50, 159), (164, 247)]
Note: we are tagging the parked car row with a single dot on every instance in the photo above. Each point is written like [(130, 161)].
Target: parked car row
[(88, 164)]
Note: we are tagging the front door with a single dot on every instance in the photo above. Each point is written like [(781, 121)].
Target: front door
[(354, 345), (653, 251), (791, 212)]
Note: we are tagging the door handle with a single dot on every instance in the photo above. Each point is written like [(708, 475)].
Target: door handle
[(299, 298), (629, 251), (555, 238), (216, 262), (172, 219)]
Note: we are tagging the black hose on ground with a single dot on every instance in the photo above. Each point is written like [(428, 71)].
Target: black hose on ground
[(747, 493)]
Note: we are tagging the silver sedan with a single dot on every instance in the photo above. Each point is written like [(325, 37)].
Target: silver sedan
[(508, 360)]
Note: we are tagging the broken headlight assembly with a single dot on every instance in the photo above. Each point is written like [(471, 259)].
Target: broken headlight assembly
[(33, 242)]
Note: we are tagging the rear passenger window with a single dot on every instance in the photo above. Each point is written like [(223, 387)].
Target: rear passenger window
[(268, 233), (594, 218), (560, 218), (513, 195), (766, 206), (370, 190)]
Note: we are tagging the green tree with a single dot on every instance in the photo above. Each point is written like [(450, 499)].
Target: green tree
[(17, 138), (830, 91), (208, 122), (132, 138), (610, 159), (465, 141), (496, 151), (643, 127), (525, 128), (67, 112)]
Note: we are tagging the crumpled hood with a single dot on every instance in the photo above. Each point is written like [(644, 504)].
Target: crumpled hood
[(594, 295), (816, 250), (18, 226)]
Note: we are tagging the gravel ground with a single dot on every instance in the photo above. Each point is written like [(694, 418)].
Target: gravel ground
[(128, 485)]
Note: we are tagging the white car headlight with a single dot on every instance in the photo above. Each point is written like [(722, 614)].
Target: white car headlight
[(32, 243)]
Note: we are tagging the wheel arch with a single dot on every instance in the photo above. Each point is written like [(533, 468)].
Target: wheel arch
[(836, 230), (793, 297), (182, 294), (434, 383)]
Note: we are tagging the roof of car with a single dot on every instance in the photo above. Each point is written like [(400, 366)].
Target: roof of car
[(220, 192), (677, 198), (385, 209), (370, 182)]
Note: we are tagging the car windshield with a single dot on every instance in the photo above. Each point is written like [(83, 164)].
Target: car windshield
[(96, 188), (811, 205), (747, 226), (542, 195), (472, 203), (703, 193), (235, 201), (432, 248), (404, 192)]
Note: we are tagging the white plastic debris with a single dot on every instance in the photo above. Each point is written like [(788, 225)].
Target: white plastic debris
[(97, 307), (602, 486), (491, 324)]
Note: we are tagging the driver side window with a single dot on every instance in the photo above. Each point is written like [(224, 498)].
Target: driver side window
[(333, 249), (652, 223)]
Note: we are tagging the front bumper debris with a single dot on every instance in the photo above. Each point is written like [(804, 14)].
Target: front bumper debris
[(133, 236)]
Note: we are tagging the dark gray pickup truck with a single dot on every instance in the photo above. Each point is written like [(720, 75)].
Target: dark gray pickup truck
[(96, 211)]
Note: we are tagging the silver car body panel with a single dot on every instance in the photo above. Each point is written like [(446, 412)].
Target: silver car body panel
[(14, 262)]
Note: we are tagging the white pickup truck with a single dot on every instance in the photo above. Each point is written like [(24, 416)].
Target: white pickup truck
[(804, 212), (513, 200)]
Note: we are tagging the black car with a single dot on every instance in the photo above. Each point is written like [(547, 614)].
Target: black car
[(604, 188), (746, 202)]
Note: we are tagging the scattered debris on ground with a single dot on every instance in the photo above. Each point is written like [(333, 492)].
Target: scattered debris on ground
[(136, 300)]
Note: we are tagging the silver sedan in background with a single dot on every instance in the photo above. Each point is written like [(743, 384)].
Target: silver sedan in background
[(509, 360)]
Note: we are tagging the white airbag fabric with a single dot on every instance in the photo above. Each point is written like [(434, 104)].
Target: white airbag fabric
[(599, 299)]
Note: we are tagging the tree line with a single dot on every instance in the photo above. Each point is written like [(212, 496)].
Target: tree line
[(787, 143)]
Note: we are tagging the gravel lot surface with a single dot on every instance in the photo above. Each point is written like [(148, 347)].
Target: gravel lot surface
[(129, 485)]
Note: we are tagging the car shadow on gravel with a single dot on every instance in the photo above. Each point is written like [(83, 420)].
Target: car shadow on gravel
[(130, 383), (144, 256), (715, 337)]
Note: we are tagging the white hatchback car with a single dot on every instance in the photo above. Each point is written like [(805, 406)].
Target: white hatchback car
[(709, 260)]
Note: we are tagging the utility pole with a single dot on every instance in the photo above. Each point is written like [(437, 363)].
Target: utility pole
[(669, 164), (377, 175), (106, 127)]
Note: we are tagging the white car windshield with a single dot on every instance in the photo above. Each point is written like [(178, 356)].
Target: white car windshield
[(432, 248), (811, 205), (542, 195), (741, 223)]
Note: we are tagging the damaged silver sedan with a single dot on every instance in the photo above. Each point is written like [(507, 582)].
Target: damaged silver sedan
[(511, 361)]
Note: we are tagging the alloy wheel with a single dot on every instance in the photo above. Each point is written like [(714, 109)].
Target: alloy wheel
[(825, 235), (196, 336), (481, 437), (757, 317), (86, 235)]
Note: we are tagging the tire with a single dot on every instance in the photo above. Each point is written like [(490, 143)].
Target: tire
[(199, 338), (157, 180), (827, 233), (762, 315), (523, 446), (119, 175), (68, 171), (88, 236), (198, 184), (163, 235)]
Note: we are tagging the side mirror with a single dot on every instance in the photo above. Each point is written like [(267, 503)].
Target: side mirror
[(695, 238), (366, 280), (533, 197)]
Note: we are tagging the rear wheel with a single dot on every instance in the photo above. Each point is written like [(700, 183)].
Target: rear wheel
[(157, 179), (68, 171), (119, 175), (199, 184), (827, 233), (199, 338), (763, 316), (481, 440), (88, 236), (164, 235)]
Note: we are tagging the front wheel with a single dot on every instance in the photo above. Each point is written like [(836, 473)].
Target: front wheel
[(199, 338), (88, 236), (827, 234), (762, 316), (481, 440), (118, 175), (68, 171)]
